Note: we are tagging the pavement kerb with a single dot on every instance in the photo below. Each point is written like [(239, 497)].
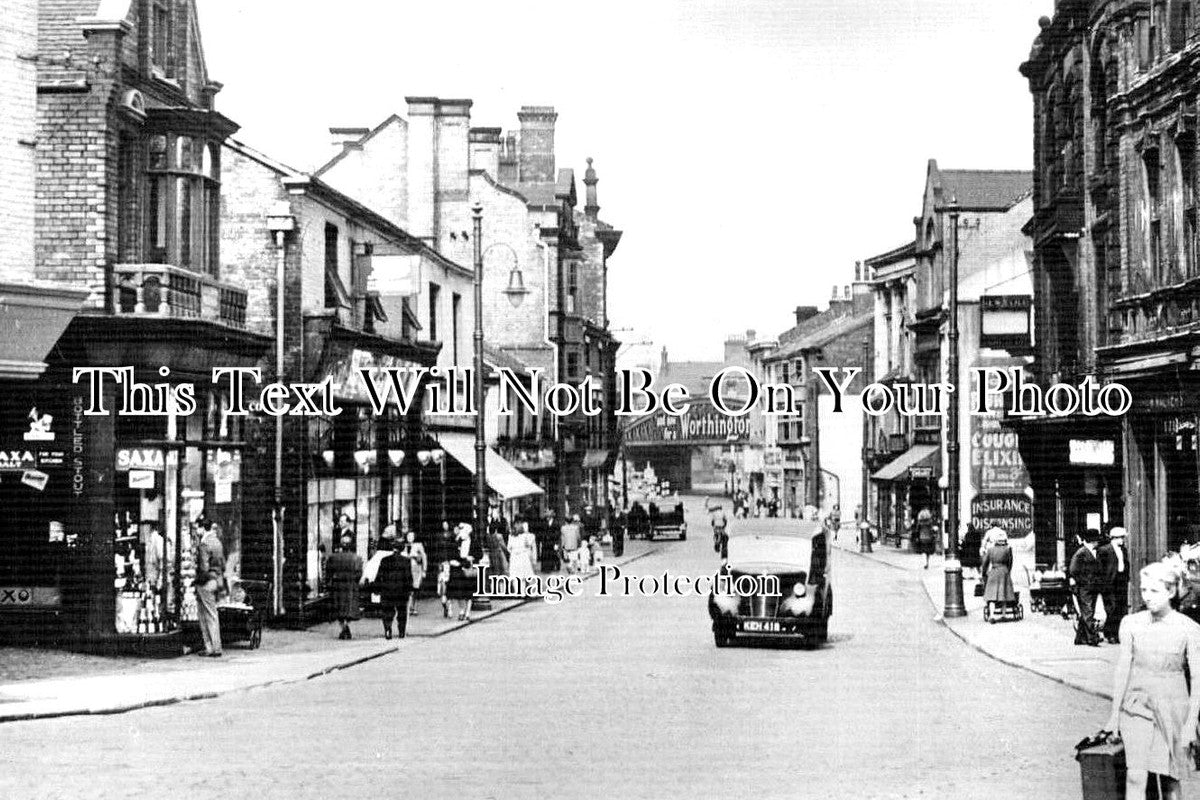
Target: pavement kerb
[(974, 645), (358, 658), (121, 708), (523, 601)]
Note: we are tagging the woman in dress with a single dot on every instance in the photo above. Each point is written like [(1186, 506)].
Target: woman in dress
[(521, 547), (1152, 709), (415, 552), (997, 570), (444, 549), (345, 572), (460, 586)]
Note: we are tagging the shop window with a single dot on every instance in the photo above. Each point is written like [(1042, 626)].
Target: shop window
[(183, 202)]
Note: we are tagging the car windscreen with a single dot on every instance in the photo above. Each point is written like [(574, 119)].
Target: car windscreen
[(770, 550)]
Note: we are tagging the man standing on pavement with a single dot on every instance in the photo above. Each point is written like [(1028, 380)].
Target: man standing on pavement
[(210, 580), (1087, 579), (1114, 568)]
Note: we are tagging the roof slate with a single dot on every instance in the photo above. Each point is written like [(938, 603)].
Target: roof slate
[(984, 189)]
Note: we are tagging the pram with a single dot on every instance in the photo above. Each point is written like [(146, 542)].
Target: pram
[(1049, 592), (1004, 611)]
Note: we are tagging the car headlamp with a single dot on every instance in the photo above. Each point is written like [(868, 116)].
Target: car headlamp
[(799, 590)]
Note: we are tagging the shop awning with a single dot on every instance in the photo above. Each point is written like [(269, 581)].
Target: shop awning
[(502, 478), (596, 459), (919, 455)]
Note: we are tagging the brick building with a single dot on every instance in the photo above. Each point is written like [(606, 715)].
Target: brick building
[(819, 446), (357, 464), (127, 211), (907, 451), (35, 480), (545, 261), (1116, 242)]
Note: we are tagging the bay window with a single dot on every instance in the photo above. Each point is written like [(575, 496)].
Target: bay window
[(183, 202)]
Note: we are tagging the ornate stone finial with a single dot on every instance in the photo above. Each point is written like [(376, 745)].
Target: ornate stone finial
[(592, 209)]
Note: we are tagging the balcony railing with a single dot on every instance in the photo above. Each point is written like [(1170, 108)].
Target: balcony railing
[(1162, 311), (163, 290)]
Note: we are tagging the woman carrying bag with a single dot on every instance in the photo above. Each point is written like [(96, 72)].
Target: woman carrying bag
[(1152, 708)]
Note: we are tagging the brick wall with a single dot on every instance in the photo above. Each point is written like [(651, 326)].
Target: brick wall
[(18, 132), (376, 173), (76, 152)]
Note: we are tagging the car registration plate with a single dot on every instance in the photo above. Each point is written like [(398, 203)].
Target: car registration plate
[(765, 626)]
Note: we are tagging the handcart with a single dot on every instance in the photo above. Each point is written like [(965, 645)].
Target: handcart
[(1004, 611), (240, 614)]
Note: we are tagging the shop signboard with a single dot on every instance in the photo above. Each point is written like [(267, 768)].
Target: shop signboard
[(1012, 513), (996, 465), (140, 458), (702, 423)]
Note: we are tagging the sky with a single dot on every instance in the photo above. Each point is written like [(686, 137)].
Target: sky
[(751, 151)]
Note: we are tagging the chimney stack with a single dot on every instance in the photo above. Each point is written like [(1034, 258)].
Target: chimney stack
[(485, 150), (535, 162), (342, 137), (805, 312)]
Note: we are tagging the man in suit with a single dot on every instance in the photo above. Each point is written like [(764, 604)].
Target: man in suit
[(394, 583), (210, 580), (1087, 579), (1114, 567)]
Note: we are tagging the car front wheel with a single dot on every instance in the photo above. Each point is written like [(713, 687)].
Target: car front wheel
[(721, 636)]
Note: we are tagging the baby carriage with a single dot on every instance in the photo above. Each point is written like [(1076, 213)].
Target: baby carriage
[(1049, 593), (1004, 611)]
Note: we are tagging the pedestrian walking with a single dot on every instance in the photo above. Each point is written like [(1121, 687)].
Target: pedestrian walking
[(617, 527), (547, 537), (971, 554), (926, 534), (521, 548), (496, 549), (639, 521), (414, 551), (719, 522), (460, 585), (1086, 579), (1114, 566), (568, 543), (997, 570), (345, 572), (444, 549), (210, 583), (1152, 708), (392, 580)]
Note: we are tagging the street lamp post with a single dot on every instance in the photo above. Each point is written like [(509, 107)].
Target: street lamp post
[(954, 606), (864, 527), (481, 503)]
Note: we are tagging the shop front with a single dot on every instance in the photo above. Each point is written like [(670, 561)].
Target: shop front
[(361, 472), (106, 505), (509, 489), (1076, 480), (905, 485)]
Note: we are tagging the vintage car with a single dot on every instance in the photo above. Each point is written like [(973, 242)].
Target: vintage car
[(779, 569)]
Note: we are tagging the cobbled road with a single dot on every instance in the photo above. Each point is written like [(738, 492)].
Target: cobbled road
[(617, 697)]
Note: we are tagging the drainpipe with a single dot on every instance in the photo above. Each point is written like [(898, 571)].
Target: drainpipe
[(280, 222), (546, 336)]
